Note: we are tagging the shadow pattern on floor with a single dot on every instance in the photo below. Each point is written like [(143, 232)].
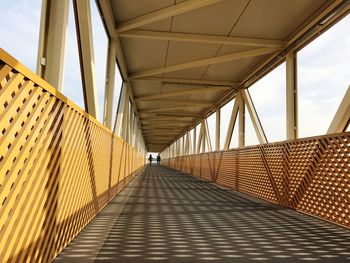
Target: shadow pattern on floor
[(172, 217)]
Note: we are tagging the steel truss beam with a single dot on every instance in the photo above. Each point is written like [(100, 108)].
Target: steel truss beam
[(206, 62), (164, 13), (199, 38)]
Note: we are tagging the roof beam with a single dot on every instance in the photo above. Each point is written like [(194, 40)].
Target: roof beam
[(145, 129), (199, 38), (189, 81), (186, 102), (164, 13), (170, 118), (163, 120), (206, 62), (178, 114), (173, 108), (181, 93)]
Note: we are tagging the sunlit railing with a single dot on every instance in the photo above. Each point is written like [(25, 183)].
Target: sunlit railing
[(311, 175), (58, 166)]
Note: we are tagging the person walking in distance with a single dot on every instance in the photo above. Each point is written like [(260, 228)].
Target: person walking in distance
[(150, 159), (158, 159)]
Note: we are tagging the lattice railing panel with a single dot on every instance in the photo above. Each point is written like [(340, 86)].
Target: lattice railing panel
[(328, 193), (207, 161), (226, 168), (253, 175), (311, 175), (58, 166), (197, 165)]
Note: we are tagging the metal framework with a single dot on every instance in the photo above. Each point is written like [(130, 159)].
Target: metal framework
[(59, 166)]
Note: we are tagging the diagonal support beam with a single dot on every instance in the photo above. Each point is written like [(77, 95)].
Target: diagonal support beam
[(206, 62), (182, 93), (86, 54), (189, 81), (341, 119), (231, 124), (186, 102), (164, 13), (172, 108), (199, 38), (254, 116)]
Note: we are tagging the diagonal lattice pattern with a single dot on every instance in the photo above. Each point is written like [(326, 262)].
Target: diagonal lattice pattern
[(311, 175), (58, 166)]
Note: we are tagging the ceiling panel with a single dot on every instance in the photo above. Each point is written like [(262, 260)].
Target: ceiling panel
[(274, 19)]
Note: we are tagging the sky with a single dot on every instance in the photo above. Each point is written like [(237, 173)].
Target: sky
[(22, 18), (323, 73)]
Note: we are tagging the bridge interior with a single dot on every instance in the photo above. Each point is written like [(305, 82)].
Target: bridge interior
[(76, 189), (166, 216)]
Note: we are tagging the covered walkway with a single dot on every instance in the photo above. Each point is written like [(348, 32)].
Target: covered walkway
[(166, 216)]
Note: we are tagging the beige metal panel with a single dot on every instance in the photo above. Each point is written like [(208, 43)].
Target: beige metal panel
[(232, 70), (216, 19), (291, 97), (182, 52), (52, 41), (141, 55), (164, 13), (141, 89), (124, 10), (274, 19), (86, 53), (342, 117), (207, 61), (109, 89)]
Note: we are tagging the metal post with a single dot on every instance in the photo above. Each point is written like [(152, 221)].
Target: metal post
[(241, 121), (291, 96), (52, 41), (109, 88)]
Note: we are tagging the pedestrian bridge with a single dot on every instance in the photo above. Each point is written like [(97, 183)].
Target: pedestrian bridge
[(76, 188)]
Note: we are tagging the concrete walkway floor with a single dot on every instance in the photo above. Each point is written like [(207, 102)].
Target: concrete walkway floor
[(166, 216)]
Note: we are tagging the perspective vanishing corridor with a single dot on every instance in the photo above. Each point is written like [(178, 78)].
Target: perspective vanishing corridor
[(245, 105), (167, 216)]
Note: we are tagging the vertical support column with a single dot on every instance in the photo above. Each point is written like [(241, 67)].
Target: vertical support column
[(109, 88), (217, 130), (126, 121), (52, 41), (241, 121), (194, 140), (207, 136), (86, 54), (183, 145), (118, 128), (204, 135), (291, 96)]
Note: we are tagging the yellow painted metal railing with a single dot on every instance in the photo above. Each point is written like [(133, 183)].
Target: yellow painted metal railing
[(58, 166), (311, 175)]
